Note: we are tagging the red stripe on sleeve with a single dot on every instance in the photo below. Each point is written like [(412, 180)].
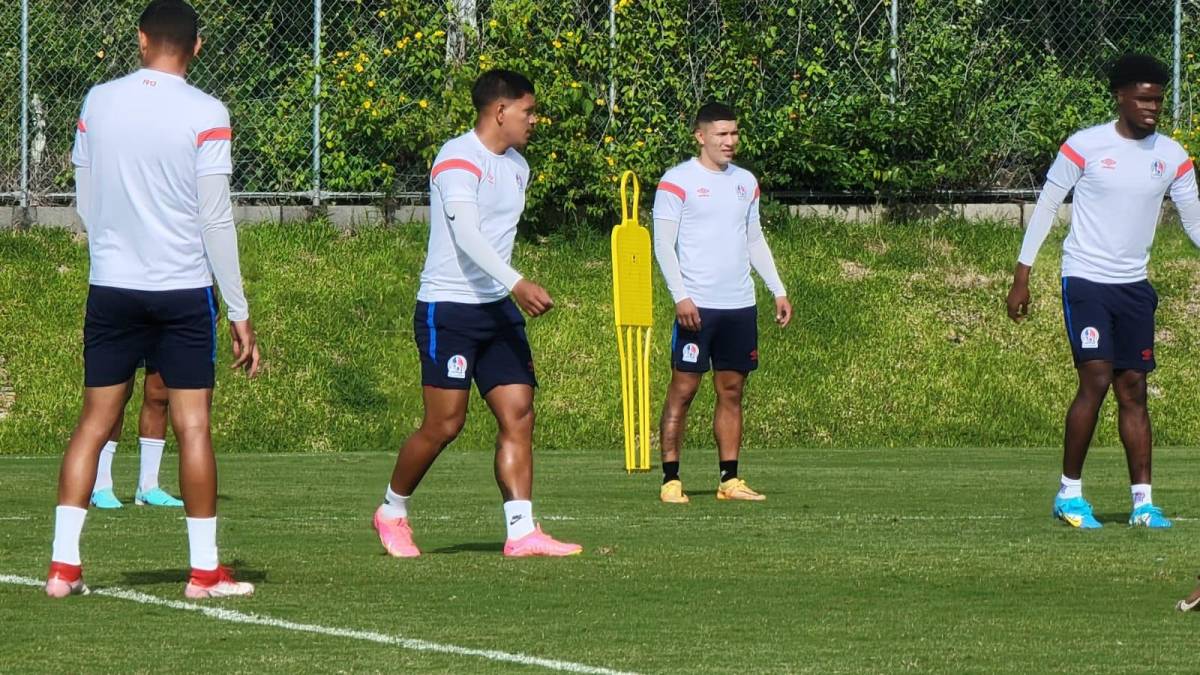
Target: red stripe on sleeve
[(673, 189), (80, 125), (217, 134), (455, 164), (757, 192), (1184, 168), (1075, 157)]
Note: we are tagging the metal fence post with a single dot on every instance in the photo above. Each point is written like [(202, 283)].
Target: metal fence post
[(316, 116), (1175, 81), (612, 49), (894, 19), (24, 104)]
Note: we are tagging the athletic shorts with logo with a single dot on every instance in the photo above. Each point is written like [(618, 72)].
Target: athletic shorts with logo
[(727, 339), (1110, 322), (175, 331), (460, 342)]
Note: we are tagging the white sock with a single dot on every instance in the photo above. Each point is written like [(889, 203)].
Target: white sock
[(518, 517), (104, 468), (151, 454), (202, 542), (394, 505), (1069, 488), (1141, 494), (68, 525)]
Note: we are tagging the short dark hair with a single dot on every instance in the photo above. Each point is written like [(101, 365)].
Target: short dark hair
[(1135, 68), (497, 84), (714, 111), (172, 24)]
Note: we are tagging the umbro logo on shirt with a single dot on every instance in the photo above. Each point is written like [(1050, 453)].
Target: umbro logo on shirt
[(703, 192), (1108, 163)]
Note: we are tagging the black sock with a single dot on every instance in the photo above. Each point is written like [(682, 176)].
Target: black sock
[(670, 472), (728, 469)]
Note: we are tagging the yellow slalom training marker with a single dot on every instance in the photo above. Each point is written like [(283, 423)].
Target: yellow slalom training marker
[(633, 308)]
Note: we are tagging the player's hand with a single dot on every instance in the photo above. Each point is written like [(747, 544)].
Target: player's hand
[(783, 311), (245, 347), (1018, 295), (687, 315), (533, 299)]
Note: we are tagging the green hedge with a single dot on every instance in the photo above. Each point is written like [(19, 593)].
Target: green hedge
[(986, 92)]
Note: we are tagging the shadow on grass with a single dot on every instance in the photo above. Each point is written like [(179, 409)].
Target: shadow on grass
[(170, 576), (472, 547)]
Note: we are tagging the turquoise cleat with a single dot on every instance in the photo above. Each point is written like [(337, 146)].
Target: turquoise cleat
[(105, 499), (1076, 512), (1149, 515), (156, 497)]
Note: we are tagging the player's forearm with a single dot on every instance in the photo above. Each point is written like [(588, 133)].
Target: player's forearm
[(1189, 217), (221, 244), (763, 262), (1044, 214), (463, 220), (666, 232), (83, 192)]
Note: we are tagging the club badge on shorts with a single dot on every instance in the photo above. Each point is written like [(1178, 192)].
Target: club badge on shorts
[(1089, 338), (456, 367), (691, 352)]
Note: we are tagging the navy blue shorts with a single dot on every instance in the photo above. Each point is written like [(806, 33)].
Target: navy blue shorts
[(176, 331), (460, 342), (1110, 322), (728, 339)]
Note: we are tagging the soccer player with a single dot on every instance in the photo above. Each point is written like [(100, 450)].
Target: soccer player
[(467, 328), (707, 236), (1120, 171), (152, 434), (152, 158)]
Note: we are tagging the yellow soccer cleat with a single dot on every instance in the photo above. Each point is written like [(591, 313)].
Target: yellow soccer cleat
[(736, 489), (672, 493)]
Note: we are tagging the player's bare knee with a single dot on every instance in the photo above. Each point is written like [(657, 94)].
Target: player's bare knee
[(443, 430)]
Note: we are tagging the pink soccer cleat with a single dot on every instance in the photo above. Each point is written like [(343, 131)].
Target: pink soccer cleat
[(538, 543), (218, 583), (395, 535), (64, 580)]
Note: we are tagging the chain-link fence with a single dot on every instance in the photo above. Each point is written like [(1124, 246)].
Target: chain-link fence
[(337, 99)]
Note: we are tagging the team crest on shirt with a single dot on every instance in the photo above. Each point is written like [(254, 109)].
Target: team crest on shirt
[(520, 183), (1158, 168), (742, 193), (1089, 338), (456, 367), (691, 353)]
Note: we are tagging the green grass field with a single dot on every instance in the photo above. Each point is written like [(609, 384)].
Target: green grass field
[(900, 340), (860, 561)]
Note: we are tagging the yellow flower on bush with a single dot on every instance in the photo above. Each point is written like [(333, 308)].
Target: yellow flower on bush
[(363, 57), (599, 101), (639, 144), (423, 103), (438, 33), (387, 52), (557, 44), (608, 139), (575, 85), (358, 67), (418, 35), (367, 104), (371, 84), (610, 160), (554, 155), (493, 23)]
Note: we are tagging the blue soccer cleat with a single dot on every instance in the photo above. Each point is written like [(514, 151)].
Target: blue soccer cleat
[(156, 497), (1076, 512), (105, 499), (1149, 515)]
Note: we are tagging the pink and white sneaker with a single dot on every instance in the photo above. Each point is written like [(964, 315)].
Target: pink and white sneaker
[(218, 583), (64, 580), (538, 543), (395, 535)]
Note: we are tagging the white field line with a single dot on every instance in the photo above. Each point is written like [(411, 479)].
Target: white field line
[(234, 616)]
